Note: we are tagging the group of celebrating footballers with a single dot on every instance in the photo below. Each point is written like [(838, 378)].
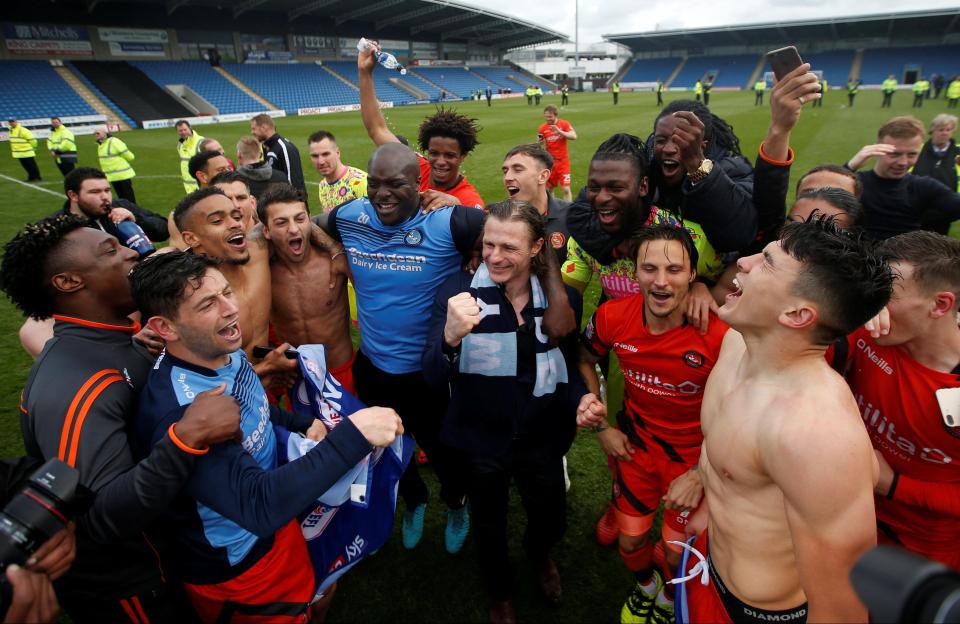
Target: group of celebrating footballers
[(787, 380)]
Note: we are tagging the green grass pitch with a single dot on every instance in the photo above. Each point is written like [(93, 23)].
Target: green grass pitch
[(427, 584)]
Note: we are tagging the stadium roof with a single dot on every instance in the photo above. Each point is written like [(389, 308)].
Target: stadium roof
[(424, 20), (913, 24)]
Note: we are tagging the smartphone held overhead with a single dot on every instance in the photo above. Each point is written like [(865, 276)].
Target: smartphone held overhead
[(784, 60)]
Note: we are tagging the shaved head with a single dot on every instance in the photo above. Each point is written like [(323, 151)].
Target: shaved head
[(395, 157)]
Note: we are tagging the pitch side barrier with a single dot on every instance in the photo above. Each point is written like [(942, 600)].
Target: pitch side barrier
[(151, 124), (77, 124), (346, 108)]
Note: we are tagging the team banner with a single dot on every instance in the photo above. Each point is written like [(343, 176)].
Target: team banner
[(137, 49), (355, 516), (47, 39)]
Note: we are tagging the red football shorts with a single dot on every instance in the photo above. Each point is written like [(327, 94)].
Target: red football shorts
[(560, 174), (640, 484), (283, 576)]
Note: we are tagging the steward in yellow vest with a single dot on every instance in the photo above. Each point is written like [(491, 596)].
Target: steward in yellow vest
[(62, 146), (187, 148), (115, 159), (22, 146)]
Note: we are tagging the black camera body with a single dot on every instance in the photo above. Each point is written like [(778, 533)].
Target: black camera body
[(898, 586)]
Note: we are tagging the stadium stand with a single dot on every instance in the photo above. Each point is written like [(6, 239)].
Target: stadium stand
[(131, 90), (454, 80), (649, 70), (878, 63), (199, 76), (729, 70), (100, 94), (40, 92), (505, 77), (296, 85), (386, 91)]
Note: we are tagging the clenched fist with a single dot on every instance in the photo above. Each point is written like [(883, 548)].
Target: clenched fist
[(379, 425), (591, 411), (463, 314)]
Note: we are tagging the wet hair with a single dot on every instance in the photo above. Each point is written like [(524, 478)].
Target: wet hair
[(31, 258), (534, 151), (182, 211), (902, 127), (228, 177), (717, 132), (74, 180), (320, 135), (448, 123), (624, 147), (840, 199), (159, 283), (935, 259), (843, 274), (265, 120), (402, 139), (667, 232), (199, 161), (279, 193), (837, 169), (526, 213)]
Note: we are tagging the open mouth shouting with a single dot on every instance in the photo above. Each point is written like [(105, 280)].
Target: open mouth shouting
[(660, 297), (608, 216), (512, 190), (737, 293), (237, 241), (296, 245), (670, 167), (231, 333)]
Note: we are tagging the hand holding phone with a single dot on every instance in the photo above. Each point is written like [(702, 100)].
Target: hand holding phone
[(784, 60), (261, 352)]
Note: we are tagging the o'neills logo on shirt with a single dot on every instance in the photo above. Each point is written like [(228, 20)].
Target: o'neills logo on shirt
[(873, 357)]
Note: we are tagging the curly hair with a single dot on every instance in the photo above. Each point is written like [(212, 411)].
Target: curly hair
[(29, 260), (448, 123), (717, 132)]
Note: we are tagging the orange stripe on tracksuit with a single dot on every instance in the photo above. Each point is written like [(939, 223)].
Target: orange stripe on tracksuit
[(128, 608), (69, 422)]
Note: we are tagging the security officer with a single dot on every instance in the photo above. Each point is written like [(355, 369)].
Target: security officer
[(698, 90), (758, 88), (953, 92), (920, 88), (616, 93), (189, 146), (62, 146), (888, 87), (530, 92), (853, 88), (22, 145), (115, 161)]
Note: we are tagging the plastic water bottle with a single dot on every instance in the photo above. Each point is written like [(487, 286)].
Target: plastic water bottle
[(385, 59), (133, 236)]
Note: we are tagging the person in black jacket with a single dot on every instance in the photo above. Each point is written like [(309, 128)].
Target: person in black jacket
[(896, 201), (940, 155), (280, 153), (258, 172), (514, 396), (89, 197), (77, 406), (697, 173)]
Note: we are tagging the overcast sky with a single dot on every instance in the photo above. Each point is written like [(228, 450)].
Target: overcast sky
[(599, 17)]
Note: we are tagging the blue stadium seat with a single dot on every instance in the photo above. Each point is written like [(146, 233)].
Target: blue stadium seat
[(295, 85), (508, 78), (649, 70), (40, 92), (199, 76), (881, 62), (732, 70), (386, 92), (454, 80)]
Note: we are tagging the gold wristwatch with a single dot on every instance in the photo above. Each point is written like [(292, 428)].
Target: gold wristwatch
[(706, 166)]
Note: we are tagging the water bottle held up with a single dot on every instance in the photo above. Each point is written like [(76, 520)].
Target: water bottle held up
[(385, 59)]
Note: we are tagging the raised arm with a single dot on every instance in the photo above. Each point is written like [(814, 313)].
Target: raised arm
[(373, 119), (823, 463)]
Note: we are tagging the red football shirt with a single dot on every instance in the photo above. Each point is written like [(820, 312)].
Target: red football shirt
[(463, 191), (665, 374), (554, 142), (896, 396)]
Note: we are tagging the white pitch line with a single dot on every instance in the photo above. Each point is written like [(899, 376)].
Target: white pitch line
[(32, 186)]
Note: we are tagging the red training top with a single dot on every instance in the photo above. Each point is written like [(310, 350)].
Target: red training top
[(554, 142), (665, 374), (897, 400), (463, 191)]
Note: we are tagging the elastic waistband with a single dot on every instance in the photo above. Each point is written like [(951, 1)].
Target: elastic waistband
[(742, 613)]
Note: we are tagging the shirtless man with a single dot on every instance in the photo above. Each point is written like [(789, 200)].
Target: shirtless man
[(212, 225), (305, 315), (787, 467), (236, 187)]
